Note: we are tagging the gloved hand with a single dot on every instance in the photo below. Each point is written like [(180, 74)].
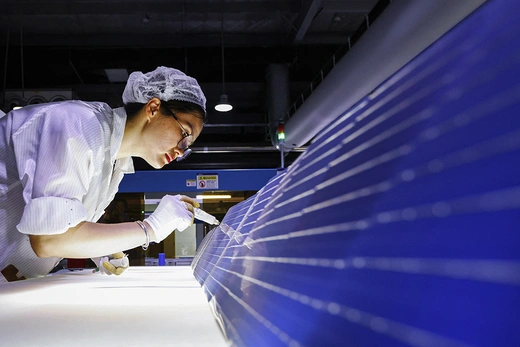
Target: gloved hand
[(115, 264), (173, 212)]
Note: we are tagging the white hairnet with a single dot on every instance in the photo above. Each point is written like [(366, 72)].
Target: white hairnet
[(164, 83)]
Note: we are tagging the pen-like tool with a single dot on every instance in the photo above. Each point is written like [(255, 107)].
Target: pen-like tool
[(205, 217)]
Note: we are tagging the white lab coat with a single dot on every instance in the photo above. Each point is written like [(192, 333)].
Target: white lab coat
[(57, 169)]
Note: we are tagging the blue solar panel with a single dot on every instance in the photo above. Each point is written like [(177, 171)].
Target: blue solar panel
[(400, 224)]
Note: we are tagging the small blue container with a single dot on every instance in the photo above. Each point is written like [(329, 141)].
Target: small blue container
[(162, 259)]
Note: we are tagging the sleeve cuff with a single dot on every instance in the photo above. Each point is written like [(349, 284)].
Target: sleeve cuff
[(51, 215)]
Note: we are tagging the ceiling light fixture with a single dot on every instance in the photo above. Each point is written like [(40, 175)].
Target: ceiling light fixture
[(223, 105), (209, 197)]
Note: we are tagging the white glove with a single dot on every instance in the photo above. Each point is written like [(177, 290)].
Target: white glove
[(115, 264), (172, 213)]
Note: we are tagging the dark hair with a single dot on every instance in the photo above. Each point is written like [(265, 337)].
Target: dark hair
[(172, 106)]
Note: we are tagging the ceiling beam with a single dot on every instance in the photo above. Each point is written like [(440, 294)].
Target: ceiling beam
[(122, 7), (170, 40), (309, 10), (359, 6)]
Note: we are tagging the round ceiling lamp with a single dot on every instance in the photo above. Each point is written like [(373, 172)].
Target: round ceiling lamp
[(223, 105)]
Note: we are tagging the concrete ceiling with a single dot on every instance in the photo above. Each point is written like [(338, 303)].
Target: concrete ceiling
[(67, 46)]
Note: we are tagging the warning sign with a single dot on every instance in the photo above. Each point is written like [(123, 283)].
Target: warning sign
[(191, 183), (207, 181)]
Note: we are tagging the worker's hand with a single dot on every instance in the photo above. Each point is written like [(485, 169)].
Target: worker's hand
[(115, 264), (173, 212)]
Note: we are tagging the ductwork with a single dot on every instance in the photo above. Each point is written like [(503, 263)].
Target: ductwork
[(278, 98), (400, 33)]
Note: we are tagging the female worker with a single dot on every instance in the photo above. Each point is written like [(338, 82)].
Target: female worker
[(61, 165)]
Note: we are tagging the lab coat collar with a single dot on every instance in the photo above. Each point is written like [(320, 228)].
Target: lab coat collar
[(126, 164)]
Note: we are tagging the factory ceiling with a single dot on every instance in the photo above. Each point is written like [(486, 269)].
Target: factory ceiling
[(85, 49)]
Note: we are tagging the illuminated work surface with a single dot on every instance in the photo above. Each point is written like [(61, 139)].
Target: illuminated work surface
[(146, 306)]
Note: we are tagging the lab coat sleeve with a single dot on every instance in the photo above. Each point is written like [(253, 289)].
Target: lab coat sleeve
[(55, 169)]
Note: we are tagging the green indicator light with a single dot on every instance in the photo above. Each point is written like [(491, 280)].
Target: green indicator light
[(281, 136)]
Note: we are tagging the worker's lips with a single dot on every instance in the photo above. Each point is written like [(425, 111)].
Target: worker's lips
[(168, 158)]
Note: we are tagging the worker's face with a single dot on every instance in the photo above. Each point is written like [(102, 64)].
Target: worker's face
[(167, 136)]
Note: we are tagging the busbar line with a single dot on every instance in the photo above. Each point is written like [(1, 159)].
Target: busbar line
[(489, 270), (399, 331), (506, 199)]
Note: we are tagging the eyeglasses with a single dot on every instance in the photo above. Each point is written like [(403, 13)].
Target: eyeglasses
[(184, 142)]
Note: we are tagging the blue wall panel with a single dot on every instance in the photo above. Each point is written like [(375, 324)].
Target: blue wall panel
[(400, 224)]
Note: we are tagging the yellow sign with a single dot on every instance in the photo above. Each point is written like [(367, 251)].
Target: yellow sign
[(207, 181)]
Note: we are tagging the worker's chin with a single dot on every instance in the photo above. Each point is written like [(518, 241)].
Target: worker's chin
[(156, 164)]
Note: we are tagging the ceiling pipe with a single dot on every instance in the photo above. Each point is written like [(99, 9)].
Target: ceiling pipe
[(237, 149), (234, 125), (400, 33)]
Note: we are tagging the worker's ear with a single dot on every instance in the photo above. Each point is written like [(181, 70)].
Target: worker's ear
[(152, 107)]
